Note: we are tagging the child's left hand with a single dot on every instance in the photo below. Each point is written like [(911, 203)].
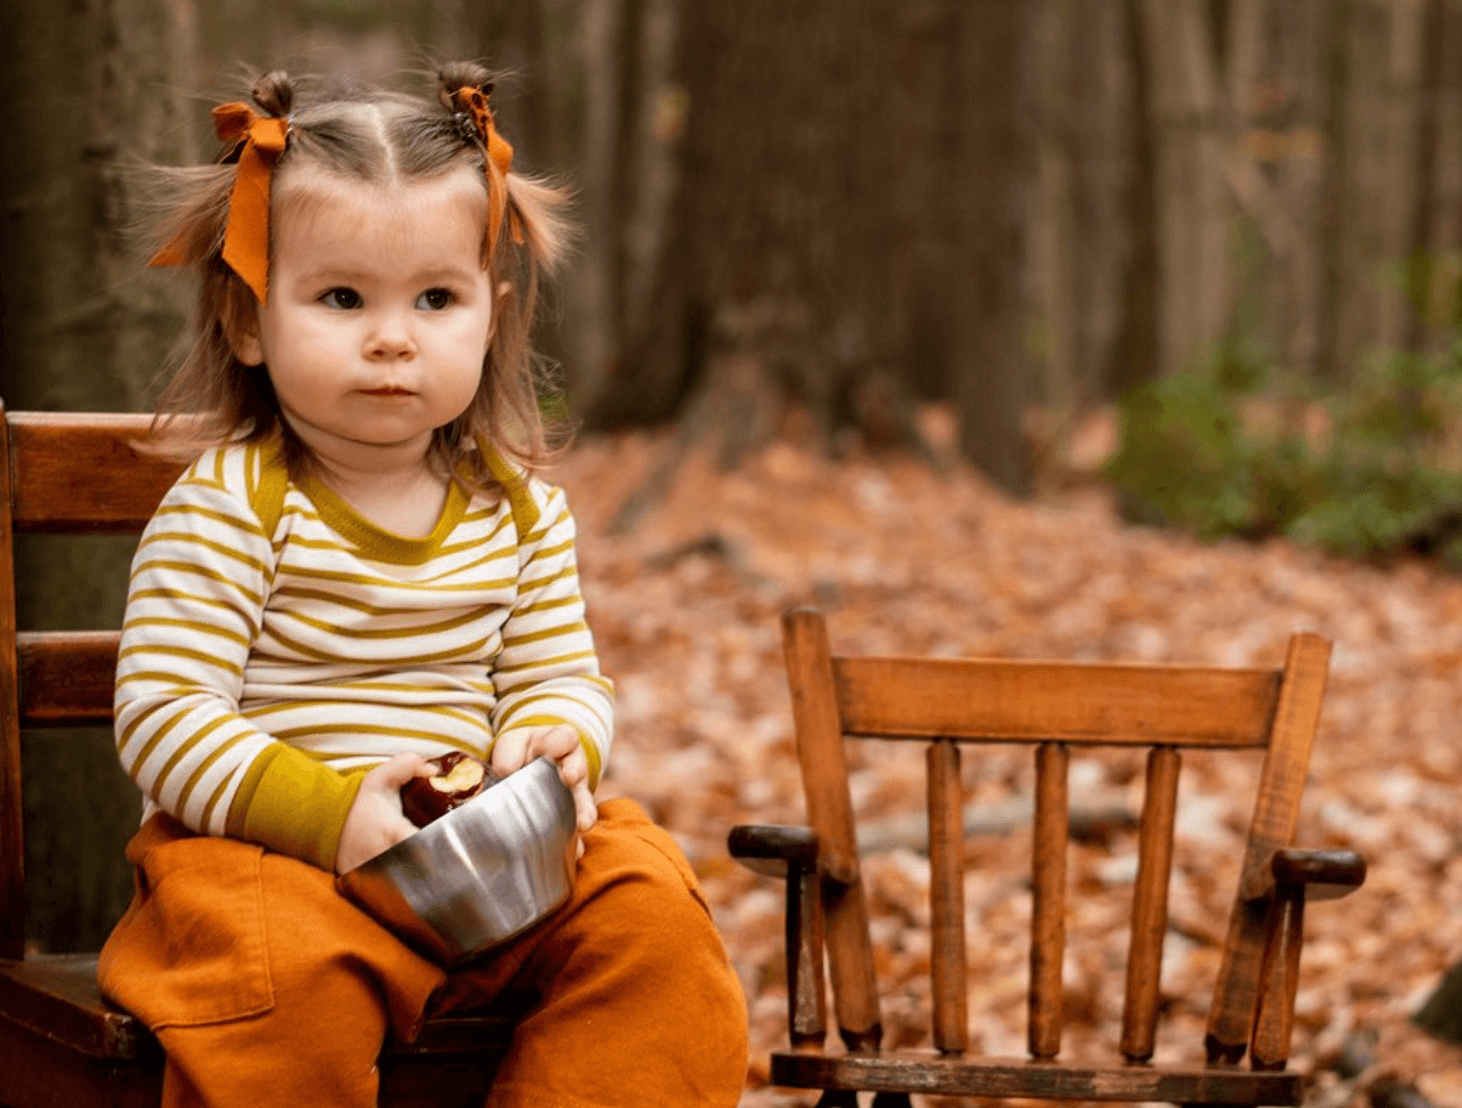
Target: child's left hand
[(517, 747)]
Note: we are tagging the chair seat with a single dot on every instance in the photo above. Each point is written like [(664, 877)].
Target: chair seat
[(927, 1071), (56, 997)]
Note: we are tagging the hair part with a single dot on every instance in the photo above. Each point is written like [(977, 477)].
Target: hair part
[(379, 138)]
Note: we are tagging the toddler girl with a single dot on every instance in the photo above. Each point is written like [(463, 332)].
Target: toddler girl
[(362, 573)]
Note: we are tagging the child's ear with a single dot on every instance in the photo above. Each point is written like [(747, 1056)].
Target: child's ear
[(242, 329), (502, 296)]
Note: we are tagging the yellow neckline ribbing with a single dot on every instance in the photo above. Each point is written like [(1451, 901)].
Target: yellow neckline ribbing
[(376, 542)]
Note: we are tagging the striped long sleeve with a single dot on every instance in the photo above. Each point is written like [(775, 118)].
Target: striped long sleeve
[(547, 672), (270, 656)]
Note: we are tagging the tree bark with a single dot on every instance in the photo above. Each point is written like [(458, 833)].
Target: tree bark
[(89, 86), (991, 156), (1136, 351), (772, 288)]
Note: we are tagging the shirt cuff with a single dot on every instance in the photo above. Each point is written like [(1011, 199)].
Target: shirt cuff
[(293, 804)]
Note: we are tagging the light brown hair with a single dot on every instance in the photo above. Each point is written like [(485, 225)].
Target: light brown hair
[(376, 137)]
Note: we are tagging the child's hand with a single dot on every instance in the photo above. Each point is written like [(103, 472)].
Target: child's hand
[(515, 748), (375, 822)]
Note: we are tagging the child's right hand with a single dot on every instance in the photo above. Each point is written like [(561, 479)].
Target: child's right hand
[(375, 823)]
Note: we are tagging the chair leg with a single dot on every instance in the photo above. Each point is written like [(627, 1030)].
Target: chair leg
[(838, 1098), (892, 1100)]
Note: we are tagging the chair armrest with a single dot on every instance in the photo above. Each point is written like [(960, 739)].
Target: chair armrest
[(792, 853), (774, 849), (1323, 874), (1312, 874), (1295, 876)]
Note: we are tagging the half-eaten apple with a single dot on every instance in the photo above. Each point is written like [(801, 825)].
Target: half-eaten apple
[(459, 777)]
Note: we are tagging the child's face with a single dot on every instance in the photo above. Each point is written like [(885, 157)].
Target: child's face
[(379, 312)]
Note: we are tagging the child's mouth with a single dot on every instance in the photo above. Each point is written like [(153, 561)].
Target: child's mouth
[(388, 391)]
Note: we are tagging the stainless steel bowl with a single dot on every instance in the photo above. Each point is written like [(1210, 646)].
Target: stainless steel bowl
[(482, 873)]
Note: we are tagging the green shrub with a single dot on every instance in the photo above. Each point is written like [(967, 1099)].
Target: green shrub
[(1237, 450)]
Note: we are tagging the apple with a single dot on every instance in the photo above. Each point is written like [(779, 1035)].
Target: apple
[(458, 779)]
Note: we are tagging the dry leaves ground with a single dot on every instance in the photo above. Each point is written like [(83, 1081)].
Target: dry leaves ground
[(911, 558)]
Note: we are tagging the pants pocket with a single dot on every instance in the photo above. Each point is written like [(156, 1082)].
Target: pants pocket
[(191, 949)]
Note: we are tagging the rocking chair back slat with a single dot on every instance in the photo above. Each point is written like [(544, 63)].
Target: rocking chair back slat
[(1048, 900), (1150, 904), (947, 898)]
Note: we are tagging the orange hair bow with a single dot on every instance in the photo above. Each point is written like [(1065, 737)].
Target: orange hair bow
[(259, 141), (472, 103)]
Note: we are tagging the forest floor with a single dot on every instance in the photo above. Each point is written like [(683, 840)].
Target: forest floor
[(905, 556)]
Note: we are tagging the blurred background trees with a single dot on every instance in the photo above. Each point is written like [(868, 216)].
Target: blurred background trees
[(1238, 221)]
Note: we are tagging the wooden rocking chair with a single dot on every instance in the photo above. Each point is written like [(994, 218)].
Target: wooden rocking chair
[(61, 1044), (1050, 707)]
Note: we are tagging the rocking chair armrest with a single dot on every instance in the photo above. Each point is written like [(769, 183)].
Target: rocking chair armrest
[(793, 853), (774, 849), (1295, 876), (1308, 874), (1323, 874)]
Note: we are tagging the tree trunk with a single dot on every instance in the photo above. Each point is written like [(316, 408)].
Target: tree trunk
[(989, 121), (1191, 188), (1421, 255), (1136, 351), (772, 288), (87, 86), (1082, 235)]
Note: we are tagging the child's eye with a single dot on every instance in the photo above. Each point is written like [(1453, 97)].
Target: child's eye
[(343, 298), (434, 300)]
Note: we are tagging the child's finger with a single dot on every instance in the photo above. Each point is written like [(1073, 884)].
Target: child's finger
[(395, 772), (584, 807), (510, 752)]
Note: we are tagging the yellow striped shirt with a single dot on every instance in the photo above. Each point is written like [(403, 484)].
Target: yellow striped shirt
[(261, 673)]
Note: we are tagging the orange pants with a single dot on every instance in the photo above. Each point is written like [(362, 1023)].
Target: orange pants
[(267, 987)]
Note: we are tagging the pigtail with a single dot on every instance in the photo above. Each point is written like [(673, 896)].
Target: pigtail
[(223, 396), (533, 238), (274, 93), (453, 77)]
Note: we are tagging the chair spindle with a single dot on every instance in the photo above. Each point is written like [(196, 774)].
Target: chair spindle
[(1048, 899), (947, 898), (1150, 904), (1278, 983)]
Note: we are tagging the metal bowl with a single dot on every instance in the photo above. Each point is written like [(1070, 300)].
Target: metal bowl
[(480, 874)]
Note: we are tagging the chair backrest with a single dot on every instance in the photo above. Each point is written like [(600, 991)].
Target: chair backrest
[(63, 474), (1051, 707)]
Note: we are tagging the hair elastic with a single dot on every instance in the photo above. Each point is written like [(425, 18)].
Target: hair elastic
[(259, 141), (471, 104)]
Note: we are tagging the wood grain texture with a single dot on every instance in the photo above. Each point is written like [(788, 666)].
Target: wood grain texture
[(85, 473), (915, 1071), (947, 898), (66, 677), (925, 698), (1276, 815), (1325, 874), (830, 811), (820, 742), (1048, 900), (1279, 978), (1150, 904), (12, 826), (805, 946), (772, 848)]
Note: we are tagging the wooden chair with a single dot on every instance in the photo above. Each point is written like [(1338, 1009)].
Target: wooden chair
[(61, 1044), (1050, 707)]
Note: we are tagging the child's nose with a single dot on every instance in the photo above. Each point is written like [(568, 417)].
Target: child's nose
[(390, 337)]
